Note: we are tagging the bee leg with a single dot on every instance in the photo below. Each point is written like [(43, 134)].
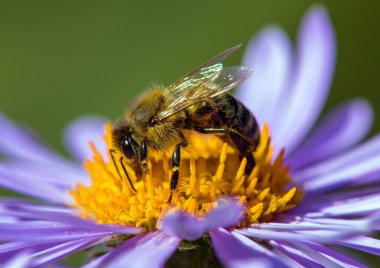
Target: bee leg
[(143, 157), (251, 163), (126, 173), (241, 142), (176, 160)]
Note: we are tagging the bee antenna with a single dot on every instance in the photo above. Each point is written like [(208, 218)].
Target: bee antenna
[(112, 152), (126, 173)]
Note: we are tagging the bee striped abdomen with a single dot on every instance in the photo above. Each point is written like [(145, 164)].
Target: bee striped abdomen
[(242, 121), (231, 119)]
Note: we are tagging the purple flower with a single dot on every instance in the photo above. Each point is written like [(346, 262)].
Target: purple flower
[(287, 91)]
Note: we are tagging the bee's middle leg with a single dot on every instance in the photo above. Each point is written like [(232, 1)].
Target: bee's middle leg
[(176, 160)]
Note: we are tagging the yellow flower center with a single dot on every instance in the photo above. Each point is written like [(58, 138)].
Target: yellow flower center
[(209, 170)]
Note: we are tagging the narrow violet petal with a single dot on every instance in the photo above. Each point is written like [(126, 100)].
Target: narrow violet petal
[(56, 214), (296, 254), (21, 260), (269, 54), (28, 184), (325, 256), (82, 131), (228, 212), (325, 236), (19, 208), (184, 226), (344, 127), (335, 256), (22, 144), (65, 249), (353, 193), (315, 224), (349, 207), (24, 147), (45, 232), (63, 176), (277, 256), (235, 251), (12, 249), (315, 67), (150, 251), (127, 246), (362, 243), (345, 176), (357, 155)]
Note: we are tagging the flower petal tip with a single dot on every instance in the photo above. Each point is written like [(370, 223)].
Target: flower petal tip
[(227, 212)]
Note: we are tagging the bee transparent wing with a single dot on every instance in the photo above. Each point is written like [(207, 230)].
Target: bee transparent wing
[(228, 78), (203, 73), (217, 59), (207, 84)]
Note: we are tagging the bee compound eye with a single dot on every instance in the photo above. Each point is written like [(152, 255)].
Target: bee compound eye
[(126, 149)]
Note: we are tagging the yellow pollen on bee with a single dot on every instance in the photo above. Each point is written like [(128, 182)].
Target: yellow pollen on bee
[(209, 169)]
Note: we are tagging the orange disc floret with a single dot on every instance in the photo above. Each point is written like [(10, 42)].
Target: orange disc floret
[(209, 169)]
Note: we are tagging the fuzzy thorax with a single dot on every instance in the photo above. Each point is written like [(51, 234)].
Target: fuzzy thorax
[(137, 119)]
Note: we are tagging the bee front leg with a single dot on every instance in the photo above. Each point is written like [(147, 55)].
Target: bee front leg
[(176, 160), (143, 157)]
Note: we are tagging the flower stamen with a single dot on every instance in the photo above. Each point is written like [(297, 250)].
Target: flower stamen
[(210, 169)]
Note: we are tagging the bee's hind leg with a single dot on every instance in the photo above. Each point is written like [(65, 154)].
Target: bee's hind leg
[(240, 140), (176, 160)]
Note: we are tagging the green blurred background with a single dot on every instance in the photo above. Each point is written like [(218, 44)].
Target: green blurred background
[(63, 59)]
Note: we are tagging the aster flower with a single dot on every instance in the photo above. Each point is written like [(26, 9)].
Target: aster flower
[(309, 190)]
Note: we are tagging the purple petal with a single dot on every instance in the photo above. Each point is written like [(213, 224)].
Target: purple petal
[(45, 232), (13, 232), (80, 132), (299, 256), (325, 236), (314, 70), (238, 251), (351, 174), (56, 214), (104, 260), (184, 226), (348, 207), (151, 250), (9, 250), (63, 176), (336, 258), (344, 127), (357, 155), (362, 243), (21, 260), (298, 224), (65, 249), (28, 184), (269, 54), (20, 143), (353, 193)]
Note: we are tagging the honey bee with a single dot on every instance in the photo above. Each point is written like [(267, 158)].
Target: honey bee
[(198, 101)]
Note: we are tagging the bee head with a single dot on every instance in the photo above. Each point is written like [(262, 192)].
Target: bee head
[(128, 146), (124, 141)]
